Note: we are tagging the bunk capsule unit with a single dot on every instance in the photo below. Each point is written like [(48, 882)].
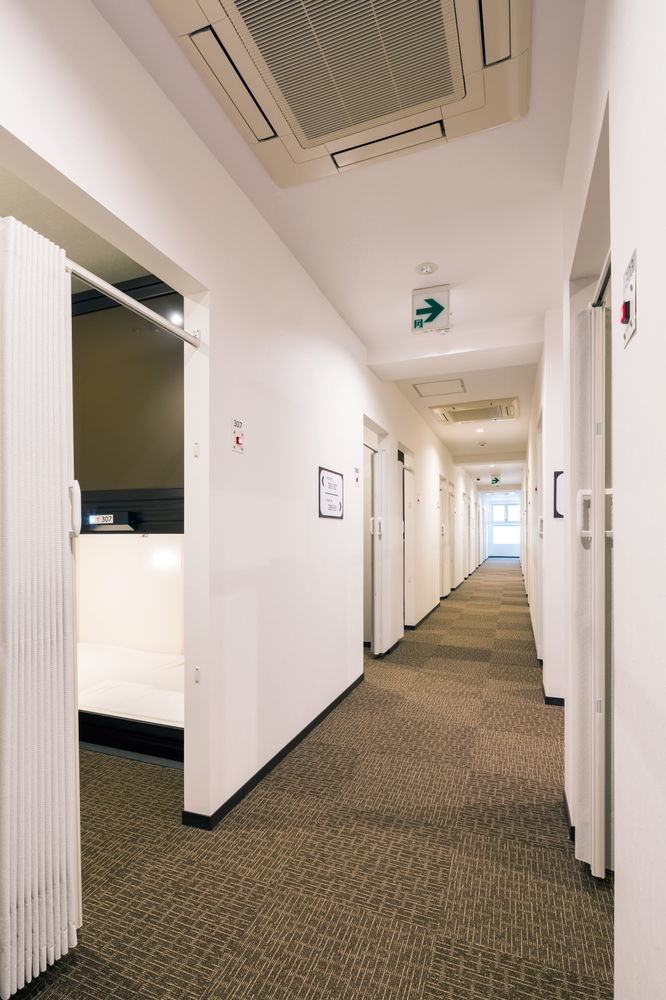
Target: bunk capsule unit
[(128, 445)]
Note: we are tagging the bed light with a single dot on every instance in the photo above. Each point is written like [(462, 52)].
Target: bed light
[(165, 559), (118, 521)]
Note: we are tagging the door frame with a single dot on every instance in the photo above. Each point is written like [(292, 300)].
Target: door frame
[(491, 524), (445, 576), (452, 536), (591, 560), (385, 552), (369, 454), (602, 540), (408, 540)]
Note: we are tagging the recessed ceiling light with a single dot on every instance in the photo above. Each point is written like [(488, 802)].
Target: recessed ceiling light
[(426, 268), (479, 430)]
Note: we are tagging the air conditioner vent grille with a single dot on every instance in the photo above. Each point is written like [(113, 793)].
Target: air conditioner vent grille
[(491, 413), (341, 65), (485, 409)]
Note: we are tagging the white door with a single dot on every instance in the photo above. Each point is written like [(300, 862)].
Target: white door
[(465, 535), (592, 642), (452, 539), (383, 628), (444, 543), (479, 535), (409, 555), (368, 543)]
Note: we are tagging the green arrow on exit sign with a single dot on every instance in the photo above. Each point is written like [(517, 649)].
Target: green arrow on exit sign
[(430, 309), (434, 308)]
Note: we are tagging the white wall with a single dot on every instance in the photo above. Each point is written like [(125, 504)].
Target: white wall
[(533, 543), (130, 590), (555, 591), (273, 592), (463, 487), (622, 63)]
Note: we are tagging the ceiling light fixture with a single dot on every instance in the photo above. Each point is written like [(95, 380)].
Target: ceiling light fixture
[(479, 430), (426, 268)]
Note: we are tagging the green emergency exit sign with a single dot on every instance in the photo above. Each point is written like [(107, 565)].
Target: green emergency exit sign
[(430, 309)]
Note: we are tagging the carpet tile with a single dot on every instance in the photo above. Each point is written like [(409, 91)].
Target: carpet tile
[(412, 847), (460, 971), (321, 949)]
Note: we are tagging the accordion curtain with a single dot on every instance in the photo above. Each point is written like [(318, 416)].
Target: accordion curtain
[(40, 883)]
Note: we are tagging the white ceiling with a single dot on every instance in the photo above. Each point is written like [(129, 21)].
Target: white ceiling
[(510, 475), (485, 208), (480, 441)]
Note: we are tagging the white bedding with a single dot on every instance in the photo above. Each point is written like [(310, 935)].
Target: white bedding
[(131, 683)]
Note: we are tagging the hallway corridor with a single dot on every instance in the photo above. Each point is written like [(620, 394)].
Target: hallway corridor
[(413, 847)]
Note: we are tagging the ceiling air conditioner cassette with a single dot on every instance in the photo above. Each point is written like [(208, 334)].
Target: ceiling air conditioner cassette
[(322, 86), (485, 409)]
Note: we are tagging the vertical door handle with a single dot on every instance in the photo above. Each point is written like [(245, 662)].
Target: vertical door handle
[(581, 497), (380, 526), (75, 505), (609, 531)]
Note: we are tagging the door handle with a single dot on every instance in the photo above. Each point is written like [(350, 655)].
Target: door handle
[(609, 531), (581, 497), (75, 505)]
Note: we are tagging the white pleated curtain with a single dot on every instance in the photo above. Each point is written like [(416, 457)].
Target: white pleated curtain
[(40, 884)]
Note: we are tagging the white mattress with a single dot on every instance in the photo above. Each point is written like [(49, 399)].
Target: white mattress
[(131, 683)]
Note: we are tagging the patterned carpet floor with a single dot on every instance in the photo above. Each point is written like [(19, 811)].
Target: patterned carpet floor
[(413, 847)]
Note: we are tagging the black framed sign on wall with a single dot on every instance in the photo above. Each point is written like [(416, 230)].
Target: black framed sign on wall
[(331, 493)]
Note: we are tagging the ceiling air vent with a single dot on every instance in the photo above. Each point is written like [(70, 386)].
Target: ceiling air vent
[(486, 409), (322, 86), (442, 387)]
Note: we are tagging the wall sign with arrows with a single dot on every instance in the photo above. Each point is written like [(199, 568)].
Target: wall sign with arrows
[(331, 496), (430, 309)]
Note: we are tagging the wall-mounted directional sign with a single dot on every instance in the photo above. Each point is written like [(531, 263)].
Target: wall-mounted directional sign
[(430, 309), (331, 496), (494, 480)]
